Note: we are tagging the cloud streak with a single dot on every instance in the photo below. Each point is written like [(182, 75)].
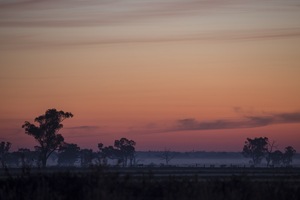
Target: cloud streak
[(32, 23), (204, 36), (246, 122), (83, 127), (191, 124), (213, 36), (107, 12), (55, 13), (84, 131)]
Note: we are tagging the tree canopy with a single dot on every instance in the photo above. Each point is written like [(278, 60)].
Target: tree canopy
[(288, 155), (46, 133), (68, 154), (259, 148), (255, 149), (126, 150), (4, 148)]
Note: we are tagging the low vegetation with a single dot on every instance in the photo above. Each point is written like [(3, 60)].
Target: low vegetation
[(99, 184)]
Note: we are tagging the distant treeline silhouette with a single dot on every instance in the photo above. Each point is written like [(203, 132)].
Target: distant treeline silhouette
[(46, 133), (259, 148)]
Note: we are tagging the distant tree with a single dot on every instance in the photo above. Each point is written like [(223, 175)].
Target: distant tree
[(288, 154), (23, 154), (271, 146), (12, 159), (23, 157), (126, 150), (68, 154), (110, 152), (46, 133), (276, 157), (166, 155), (86, 157), (104, 153), (4, 149), (37, 150), (255, 149)]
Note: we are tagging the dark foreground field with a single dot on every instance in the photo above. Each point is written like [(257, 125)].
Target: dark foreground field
[(151, 183)]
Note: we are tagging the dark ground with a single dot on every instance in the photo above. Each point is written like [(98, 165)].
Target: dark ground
[(151, 183)]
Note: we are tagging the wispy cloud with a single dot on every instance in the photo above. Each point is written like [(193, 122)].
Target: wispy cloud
[(84, 131), (62, 13), (213, 36), (100, 12), (246, 122), (32, 23), (192, 124), (83, 127)]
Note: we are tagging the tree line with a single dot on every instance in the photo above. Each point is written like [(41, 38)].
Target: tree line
[(261, 148), (46, 133)]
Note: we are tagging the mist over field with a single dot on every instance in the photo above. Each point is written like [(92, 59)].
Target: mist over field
[(208, 162), (191, 159)]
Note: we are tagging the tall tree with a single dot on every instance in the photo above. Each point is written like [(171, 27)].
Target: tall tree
[(4, 148), (109, 152), (46, 133), (255, 149), (126, 149), (288, 154)]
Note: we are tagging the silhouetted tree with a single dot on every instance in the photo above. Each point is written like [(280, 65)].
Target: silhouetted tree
[(276, 157), (104, 153), (22, 155), (110, 152), (255, 149), (4, 149), (25, 155), (126, 150), (86, 157), (288, 154), (166, 155), (46, 133), (68, 154), (271, 146), (37, 149), (12, 159)]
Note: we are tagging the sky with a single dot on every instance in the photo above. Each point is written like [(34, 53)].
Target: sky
[(199, 75)]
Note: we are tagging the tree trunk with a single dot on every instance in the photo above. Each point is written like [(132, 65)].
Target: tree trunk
[(23, 160), (3, 163), (44, 160)]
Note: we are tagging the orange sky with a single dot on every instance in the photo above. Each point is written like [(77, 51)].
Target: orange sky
[(135, 68)]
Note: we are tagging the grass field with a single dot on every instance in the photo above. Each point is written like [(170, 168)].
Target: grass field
[(151, 183)]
